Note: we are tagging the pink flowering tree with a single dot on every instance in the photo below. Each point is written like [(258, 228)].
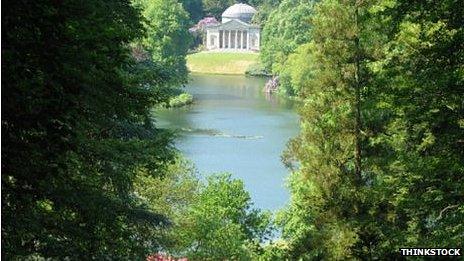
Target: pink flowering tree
[(199, 30)]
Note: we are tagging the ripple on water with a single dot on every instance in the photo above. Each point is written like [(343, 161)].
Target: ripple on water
[(217, 133)]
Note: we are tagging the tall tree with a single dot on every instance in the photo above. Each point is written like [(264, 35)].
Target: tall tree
[(330, 202), (380, 151), (423, 87), (76, 129)]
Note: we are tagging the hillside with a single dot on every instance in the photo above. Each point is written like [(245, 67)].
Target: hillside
[(220, 63)]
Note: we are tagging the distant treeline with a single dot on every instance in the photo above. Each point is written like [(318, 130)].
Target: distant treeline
[(201, 8)]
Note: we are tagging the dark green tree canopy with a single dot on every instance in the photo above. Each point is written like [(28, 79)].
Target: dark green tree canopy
[(216, 7), (76, 127), (194, 8)]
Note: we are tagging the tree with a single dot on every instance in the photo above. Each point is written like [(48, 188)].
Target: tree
[(216, 7), (380, 165), (286, 28), (265, 8), (423, 90), (194, 8), (172, 194), (221, 223), (332, 190), (167, 38), (76, 129)]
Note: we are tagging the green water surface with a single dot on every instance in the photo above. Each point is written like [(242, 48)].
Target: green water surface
[(234, 127)]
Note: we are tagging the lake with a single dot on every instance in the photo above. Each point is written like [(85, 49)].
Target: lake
[(235, 127)]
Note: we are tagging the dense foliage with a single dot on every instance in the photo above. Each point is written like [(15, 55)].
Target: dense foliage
[(424, 77), (76, 128), (380, 153), (86, 175), (194, 8), (216, 7), (212, 220), (264, 8), (172, 194), (222, 224), (167, 38), (378, 165), (287, 27)]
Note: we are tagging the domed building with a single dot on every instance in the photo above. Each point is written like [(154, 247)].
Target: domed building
[(235, 32)]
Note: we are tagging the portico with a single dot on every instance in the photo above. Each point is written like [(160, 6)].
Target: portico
[(234, 33)]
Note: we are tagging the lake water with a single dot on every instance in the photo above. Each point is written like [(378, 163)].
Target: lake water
[(234, 127)]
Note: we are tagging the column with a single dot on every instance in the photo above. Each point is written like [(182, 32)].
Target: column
[(232, 39), (236, 39), (223, 39), (248, 40), (230, 34), (243, 39), (239, 39)]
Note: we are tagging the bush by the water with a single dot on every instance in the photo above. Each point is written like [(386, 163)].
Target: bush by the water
[(257, 69), (181, 100)]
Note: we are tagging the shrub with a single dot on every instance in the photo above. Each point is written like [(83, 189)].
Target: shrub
[(181, 100), (257, 69)]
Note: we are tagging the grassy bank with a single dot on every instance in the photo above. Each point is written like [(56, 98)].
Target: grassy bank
[(220, 63)]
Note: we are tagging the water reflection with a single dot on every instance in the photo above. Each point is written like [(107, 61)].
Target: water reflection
[(235, 127)]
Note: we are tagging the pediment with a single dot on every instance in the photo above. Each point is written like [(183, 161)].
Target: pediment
[(233, 25)]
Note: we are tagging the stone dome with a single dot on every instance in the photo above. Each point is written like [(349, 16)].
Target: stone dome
[(240, 11)]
